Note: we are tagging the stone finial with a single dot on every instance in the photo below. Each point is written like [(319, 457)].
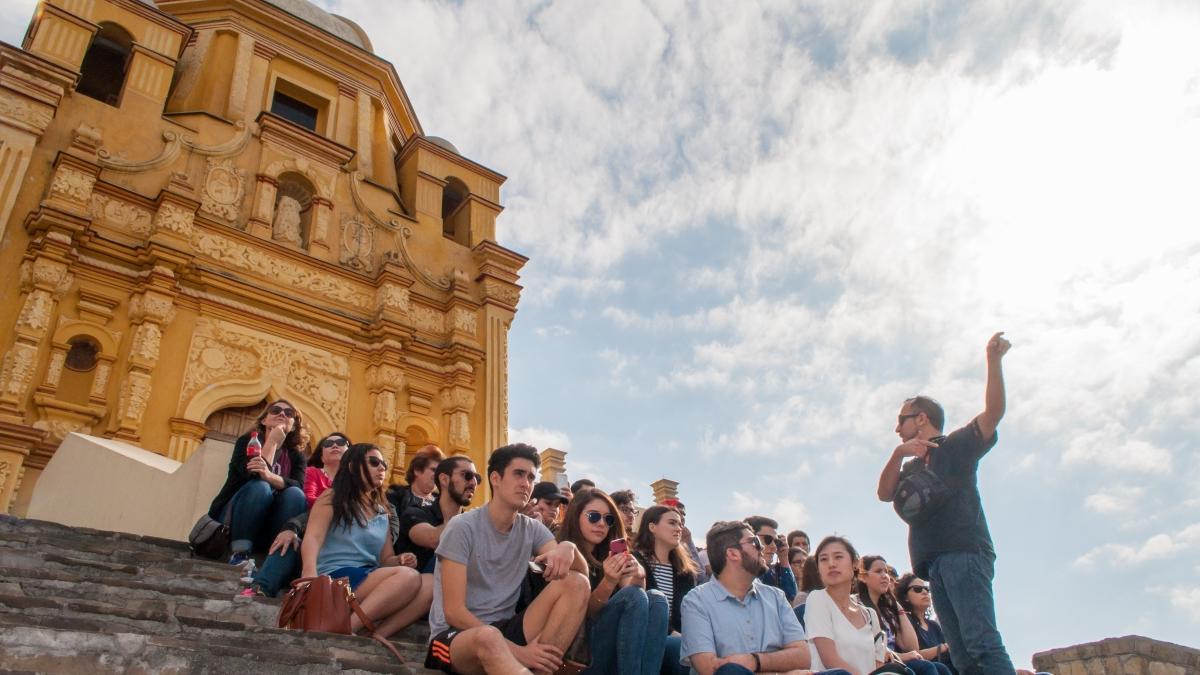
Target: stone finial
[(664, 489), (554, 464)]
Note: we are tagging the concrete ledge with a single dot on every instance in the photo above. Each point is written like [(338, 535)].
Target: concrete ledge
[(105, 484)]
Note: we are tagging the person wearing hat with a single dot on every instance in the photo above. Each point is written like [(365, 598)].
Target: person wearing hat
[(546, 503)]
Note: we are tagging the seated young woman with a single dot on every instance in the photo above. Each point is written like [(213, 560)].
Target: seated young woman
[(263, 492), (627, 626), (842, 632), (282, 564), (349, 536), (913, 594), (659, 549), (874, 587)]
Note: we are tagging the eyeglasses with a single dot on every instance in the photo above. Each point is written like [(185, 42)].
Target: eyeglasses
[(330, 442), (900, 418), (594, 517), (767, 539), (280, 410), (752, 540), (918, 589), (471, 476), (375, 462)]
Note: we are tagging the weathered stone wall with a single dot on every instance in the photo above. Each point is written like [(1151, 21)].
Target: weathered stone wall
[(1129, 655)]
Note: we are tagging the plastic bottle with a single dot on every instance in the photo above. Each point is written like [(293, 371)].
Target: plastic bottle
[(254, 447)]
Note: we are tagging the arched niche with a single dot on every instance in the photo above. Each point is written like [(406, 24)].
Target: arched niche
[(238, 393), (293, 209), (456, 223), (105, 64)]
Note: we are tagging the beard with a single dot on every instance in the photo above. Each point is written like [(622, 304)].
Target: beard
[(755, 566), (459, 497)]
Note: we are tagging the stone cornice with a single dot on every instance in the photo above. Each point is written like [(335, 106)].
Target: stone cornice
[(278, 131), (422, 143)]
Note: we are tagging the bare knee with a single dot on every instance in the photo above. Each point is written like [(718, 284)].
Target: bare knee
[(490, 644), (576, 584)]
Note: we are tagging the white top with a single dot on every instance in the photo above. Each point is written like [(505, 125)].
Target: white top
[(857, 646)]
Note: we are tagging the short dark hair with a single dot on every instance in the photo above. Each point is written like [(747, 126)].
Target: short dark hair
[(931, 408), (757, 523), (428, 454), (580, 484), (623, 497), (721, 537), (447, 466), (798, 533), (502, 457)]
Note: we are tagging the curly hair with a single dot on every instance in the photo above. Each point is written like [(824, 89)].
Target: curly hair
[(292, 440)]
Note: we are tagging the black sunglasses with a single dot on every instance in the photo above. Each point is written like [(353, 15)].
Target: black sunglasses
[(758, 546), (919, 589), (469, 475), (280, 410), (594, 517), (900, 418), (375, 462), (330, 442)]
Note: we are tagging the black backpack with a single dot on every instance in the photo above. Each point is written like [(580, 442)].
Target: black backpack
[(920, 492)]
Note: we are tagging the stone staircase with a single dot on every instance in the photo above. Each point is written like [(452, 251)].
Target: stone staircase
[(85, 601)]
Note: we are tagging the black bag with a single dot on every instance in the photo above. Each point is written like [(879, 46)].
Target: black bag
[(209, 538), (919, 492)]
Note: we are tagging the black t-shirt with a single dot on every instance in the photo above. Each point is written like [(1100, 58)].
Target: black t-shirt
[(929, 637), (413, 515), (958, 525)]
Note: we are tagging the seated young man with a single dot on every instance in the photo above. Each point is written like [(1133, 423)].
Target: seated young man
[(735, 624), (483, 556)]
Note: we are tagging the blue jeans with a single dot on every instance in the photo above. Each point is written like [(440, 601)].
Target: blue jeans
[(962, 597), (259, 513), (923, 667), (671, 664), (735, 669), (629, 635), (278, 571)]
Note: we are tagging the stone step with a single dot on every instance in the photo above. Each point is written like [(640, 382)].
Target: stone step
[(12, 526)]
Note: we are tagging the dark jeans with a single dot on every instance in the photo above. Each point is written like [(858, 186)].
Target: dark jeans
[(735, 669), (923, 667), (628, 636), (670, 664), (259, 513), (278, 571), (962, 597)]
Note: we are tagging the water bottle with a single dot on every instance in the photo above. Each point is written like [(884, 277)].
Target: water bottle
[(254, 447)]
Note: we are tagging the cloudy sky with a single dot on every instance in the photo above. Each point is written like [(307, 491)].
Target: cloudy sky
[(756, 227)]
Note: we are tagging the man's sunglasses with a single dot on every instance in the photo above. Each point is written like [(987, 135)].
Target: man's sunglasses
[(330, 442), (919, 589), (900, 418), (375, 462), (758, 546), (768, 540), (469, 476), (594, 517), (280, 410)]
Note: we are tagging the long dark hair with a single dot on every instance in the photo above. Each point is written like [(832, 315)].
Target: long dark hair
[(888, 609), (317, 458), (570, 531), (681, 562), (355, 500), (902, 595), (292, 440), (810, 579)]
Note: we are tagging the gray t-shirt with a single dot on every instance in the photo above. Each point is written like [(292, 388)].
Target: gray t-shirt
[(496, 564)]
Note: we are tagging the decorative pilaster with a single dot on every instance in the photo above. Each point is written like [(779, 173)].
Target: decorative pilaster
[(365, 135), (148, 313), (387, 382), (186, 436), (500, 293), (457, 404), (264, 207), (239, 85), (44, 280)]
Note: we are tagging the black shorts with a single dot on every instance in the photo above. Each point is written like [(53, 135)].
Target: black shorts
[(438, 655)]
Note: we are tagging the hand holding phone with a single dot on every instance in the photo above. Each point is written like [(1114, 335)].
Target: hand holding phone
[(617, 546)]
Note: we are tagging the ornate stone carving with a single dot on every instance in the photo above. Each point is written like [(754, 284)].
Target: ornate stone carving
[(498, 290), (27, 112), (427, 319), (358, 242), (54, 369), (463, 319), (393, 297), (57, 428), (72, 185), (47, 274), (146, 342), (35, 314), (174, 218), (153, 307), (458, 398), (385, 408), (224, 188), (173, 142), (460, 430), (122, 214), (386, 377), (135, 395), (286, 227), (100, 381), (219, 348), (284, 271), (17, 371)]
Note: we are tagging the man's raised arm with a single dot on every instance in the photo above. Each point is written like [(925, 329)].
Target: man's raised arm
[(994, 401)]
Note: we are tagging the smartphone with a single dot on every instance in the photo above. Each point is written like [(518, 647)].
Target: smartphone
[(617, 546), (536, 567)]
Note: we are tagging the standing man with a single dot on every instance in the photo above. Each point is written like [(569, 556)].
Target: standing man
[(734, 624), (949, 543), (483, 556)]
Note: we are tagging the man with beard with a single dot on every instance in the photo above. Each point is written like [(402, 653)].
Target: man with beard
[(734, 624)]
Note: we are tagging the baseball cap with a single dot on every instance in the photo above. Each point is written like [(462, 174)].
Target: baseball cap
[(547, 490)]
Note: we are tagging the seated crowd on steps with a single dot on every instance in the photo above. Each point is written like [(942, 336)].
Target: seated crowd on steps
[(546, 579)]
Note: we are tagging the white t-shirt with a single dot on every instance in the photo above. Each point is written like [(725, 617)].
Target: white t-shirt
[(857, 646)]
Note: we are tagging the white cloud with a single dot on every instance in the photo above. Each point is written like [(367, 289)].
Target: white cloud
[(1156, 547), (1114, 500), (540, 438), (555, 330)]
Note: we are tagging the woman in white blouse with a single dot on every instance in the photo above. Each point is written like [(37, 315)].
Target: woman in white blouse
[(842, 633)]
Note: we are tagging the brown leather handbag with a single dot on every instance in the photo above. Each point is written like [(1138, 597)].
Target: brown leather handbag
[(324, 604)]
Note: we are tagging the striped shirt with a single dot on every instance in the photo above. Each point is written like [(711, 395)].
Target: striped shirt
[(664, 579)]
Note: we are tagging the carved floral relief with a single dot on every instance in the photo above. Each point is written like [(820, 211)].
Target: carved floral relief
[(122, 215), (224, 189)]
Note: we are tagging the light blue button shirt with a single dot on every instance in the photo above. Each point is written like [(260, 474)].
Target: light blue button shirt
[(716, 622)]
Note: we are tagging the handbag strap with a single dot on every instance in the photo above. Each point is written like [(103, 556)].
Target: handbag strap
[(372, 631)]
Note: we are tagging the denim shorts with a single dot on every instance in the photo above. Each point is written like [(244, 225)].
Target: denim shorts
[(355, 575)]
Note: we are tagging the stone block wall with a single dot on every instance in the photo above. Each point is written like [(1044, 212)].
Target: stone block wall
[(1129, 655)]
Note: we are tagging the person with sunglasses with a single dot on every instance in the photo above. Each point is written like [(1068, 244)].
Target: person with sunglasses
[(627, 627), (264, 491), (779, 573), (874, 589), (734, 624), (912, 592), (349, 536), (948, 540), (282, 564)]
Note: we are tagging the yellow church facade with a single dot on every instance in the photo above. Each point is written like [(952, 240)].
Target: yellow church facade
[(206, 205)]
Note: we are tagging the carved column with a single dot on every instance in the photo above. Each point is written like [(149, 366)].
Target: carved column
[(319, 238), (387, 382), (664, 489), (148, 313), (186, 436), (264, 207), (497, 285), (239, 85), (457, 404), (365, 135), (44, 281), (16, 442)]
